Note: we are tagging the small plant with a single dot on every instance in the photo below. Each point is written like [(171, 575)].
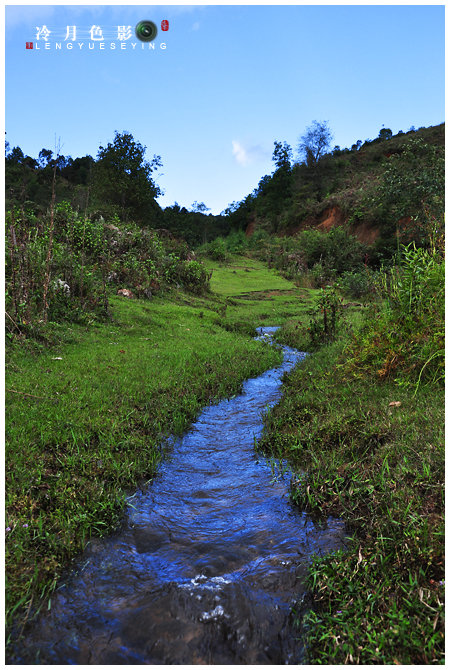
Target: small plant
[(325, 317), (194, 276), (406, 340)]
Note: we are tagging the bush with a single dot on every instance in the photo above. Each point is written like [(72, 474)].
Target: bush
[(325, 318), (357, 284), (193, 276), (59, 265), (236, 242), (406, 339), (216, 250)]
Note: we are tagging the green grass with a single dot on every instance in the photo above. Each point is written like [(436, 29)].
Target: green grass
[(255, 295), (88, 412), (380, 467), (85, 429), (242, 275)]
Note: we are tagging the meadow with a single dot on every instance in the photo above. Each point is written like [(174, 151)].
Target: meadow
[(89, 411), (360, 423)]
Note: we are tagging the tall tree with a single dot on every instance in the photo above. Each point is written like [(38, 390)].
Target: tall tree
[(315, 142), (123, 181), (201, 208)]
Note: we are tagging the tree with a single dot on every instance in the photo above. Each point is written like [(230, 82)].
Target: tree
[(15, 156), (45, 156), (385, 134), (282, 156), (315, 142), (278, 188), (199, 207), (122, 179)]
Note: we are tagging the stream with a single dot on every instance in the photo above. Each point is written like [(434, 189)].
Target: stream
[(208, 564)]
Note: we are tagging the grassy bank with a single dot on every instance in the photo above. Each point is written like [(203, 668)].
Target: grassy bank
[(87, 412), (362, 422)]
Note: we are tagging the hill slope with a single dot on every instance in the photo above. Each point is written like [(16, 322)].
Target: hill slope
[(388, 185)]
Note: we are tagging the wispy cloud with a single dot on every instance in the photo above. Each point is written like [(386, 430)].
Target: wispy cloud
[(196, 26), (244, 155)]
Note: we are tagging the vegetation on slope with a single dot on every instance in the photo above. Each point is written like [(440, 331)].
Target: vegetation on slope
[(363, 422), (390, 185)]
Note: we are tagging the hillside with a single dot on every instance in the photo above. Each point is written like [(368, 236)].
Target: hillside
[(377, 188), (389, 185)]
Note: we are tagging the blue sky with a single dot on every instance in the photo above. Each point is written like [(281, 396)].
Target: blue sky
[(231, 80)]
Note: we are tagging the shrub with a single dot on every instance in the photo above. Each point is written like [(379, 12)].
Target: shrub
[(193, 276), (217, 249), (357, 284), (406, 339), (325, 317), (60, 267), (236, 242)]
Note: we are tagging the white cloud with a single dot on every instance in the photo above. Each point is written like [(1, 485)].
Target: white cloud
[(239, 153), (244, 155), (196, 26)]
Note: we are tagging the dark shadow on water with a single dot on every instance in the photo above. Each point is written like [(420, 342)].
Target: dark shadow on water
[(209, 563)]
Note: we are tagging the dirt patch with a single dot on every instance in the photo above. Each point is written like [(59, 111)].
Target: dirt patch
[(331, 217)]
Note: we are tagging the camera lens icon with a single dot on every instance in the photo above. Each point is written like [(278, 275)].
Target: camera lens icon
[(146, 31)]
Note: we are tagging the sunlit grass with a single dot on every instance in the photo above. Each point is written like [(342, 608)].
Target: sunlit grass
[(255, 295), (244, 275), (87, 418)]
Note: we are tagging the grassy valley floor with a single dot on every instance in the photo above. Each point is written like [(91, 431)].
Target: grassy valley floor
[(86, 418), (87, 415)]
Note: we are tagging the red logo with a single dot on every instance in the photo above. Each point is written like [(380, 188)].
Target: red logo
[(164, 25), (29, 45)]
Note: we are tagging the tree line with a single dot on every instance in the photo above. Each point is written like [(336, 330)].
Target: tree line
[(385, 182), (120, 181)]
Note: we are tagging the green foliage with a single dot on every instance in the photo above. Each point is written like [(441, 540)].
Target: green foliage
[(410, 192), (354, 181), (123, 181), (75, 290), (216, 250), (87, 260), (372, 454), (315, 142), (313, 255), (193, 276), (406, 340), (237, 242), (326, 316), (358, 283)]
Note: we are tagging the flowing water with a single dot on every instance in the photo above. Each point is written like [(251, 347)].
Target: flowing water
[(209, 563)]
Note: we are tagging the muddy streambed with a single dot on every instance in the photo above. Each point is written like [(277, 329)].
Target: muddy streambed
[(208, 564)]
